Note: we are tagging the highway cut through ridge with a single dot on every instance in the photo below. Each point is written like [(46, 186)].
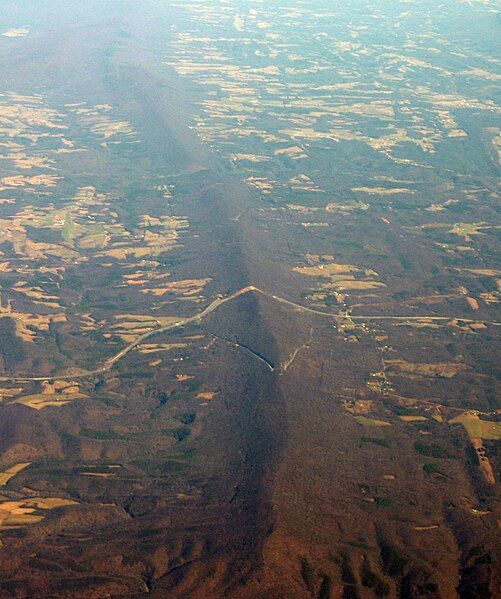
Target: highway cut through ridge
[(214, 305)]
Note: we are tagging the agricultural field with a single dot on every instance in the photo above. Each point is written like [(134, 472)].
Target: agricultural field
[(249, 299)]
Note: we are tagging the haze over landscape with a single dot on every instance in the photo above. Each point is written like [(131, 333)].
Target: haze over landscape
[(249, 299)]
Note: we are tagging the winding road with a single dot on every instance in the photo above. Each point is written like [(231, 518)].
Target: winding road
[(110, 363)]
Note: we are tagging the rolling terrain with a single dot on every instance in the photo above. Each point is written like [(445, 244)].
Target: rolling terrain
[(249, 299)]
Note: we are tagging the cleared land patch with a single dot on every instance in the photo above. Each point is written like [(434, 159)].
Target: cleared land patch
[(15, 514), (11, 472)]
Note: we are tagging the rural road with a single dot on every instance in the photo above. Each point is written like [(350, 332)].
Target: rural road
[(108, 365)]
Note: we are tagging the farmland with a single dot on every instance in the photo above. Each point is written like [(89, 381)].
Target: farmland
[(249, 299)]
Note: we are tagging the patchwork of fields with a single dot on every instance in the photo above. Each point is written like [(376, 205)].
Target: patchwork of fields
[(249, 299)]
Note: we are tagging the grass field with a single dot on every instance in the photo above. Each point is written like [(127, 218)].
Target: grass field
[(39, 401), (477, 428)]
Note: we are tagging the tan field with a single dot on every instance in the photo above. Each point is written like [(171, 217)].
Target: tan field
[(473, 303), (186, 288), (152, 348), (340, 277), (15, 514), (4, 392), (443, 369), (205, 395), (28, 326), (39, 401), (383, 191), (485, 464), (11, 472), (250, 157), (346, 284), (134, 325), (371, 421)]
